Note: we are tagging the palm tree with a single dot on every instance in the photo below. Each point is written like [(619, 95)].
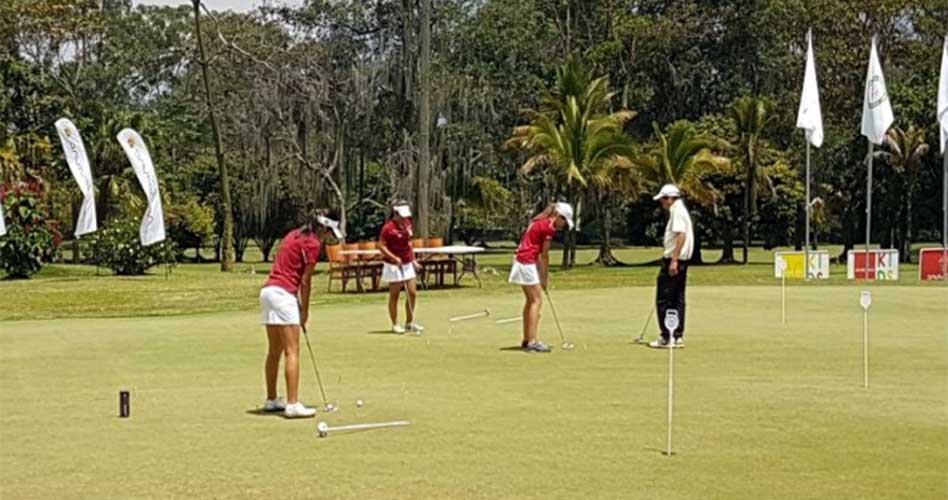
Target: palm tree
[(685, 158), (750, 114), (580, 142), (904, 152)]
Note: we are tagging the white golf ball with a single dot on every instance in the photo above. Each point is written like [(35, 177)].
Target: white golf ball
[(359, 403)]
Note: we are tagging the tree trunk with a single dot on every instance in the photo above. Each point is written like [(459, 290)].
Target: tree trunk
[(227, 259), (605, 236), (424, 123), (727, 251), (748, 202)]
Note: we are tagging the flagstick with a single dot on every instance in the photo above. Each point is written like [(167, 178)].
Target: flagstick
[(868, 212), (783, 296), (671, 389), (865, 348), (944, 219), (806, 250)]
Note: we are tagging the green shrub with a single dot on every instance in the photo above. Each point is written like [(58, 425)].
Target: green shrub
[(31, 236), (119, 248), (190, 225)]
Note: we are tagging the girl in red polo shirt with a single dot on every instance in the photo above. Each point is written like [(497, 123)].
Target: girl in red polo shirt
[(531, 268), (399, 268), (284, 300)]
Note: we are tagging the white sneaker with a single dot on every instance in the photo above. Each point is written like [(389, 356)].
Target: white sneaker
[(273, 405), (679, 343), (298, 410), (415, 327), (399, 329)]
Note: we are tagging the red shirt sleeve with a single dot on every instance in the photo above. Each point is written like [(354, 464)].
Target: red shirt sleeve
[(312, 249)]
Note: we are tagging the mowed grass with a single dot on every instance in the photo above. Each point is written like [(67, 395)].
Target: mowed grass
[(70, 291), (763, 410)]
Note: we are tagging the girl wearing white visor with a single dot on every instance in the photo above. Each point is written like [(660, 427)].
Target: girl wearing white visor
[(399, 268), (531, 268), (284, 300)]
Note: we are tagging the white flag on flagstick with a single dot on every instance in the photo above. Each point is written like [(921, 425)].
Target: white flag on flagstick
[(153, 224), (876, 109), (78, 163), (943, 97), (810, 118), (3, 225)]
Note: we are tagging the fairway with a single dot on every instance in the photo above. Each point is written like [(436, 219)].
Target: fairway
[(762, 410)]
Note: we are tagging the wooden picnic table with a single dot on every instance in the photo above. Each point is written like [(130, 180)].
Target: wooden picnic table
[(463, 254)]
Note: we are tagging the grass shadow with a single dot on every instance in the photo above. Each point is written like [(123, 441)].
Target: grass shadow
[(515, 348), (260, 413)]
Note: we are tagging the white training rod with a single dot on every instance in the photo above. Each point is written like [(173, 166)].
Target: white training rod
[(509, 320), (482, 314), (671, 393), (324, 428)]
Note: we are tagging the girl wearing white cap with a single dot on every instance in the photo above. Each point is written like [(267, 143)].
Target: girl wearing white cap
[(284, 300), (531, 268), (399, 268)]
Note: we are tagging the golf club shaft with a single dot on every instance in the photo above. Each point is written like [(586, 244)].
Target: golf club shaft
[(353, 427), (645, 326), (312, 358), (555, 318), (481, 314), (411, 304)]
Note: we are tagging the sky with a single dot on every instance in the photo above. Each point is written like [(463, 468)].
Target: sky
[(238, 5)]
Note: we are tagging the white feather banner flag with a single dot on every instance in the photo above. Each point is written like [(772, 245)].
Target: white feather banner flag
[(3, 225), (876, 109), (78, 163), (943, 96), (153, 224), (809, 117)]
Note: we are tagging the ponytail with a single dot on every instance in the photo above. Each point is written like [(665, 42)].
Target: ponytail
[(547, 213)]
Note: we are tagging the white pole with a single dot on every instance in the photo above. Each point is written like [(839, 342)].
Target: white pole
[(355, 427), (865, 348), (806, 249), (944, 220), (783, 296), (868, 212), (671, 389)]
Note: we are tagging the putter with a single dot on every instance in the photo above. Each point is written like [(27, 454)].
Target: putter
[(566, 345), (324, 429), (641, 338), (327, 406)]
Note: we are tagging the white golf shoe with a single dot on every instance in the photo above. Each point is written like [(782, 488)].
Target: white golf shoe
[(399, 329), (415, 327), (298, 410), (274, 405), (679, 343)]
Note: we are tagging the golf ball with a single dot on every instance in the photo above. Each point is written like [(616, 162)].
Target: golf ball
[(322, 428), (359, 403)]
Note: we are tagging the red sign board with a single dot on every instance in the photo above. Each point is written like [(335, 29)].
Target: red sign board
[(931, 263)]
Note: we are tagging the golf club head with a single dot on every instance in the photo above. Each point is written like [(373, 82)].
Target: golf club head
[(568, 346), (331, 408)]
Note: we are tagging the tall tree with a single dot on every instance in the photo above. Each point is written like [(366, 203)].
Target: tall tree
[(904, 152), (751, 116), (227, 243), (423, 179)]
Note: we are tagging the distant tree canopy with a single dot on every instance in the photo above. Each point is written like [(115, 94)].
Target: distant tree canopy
[(321, 103)]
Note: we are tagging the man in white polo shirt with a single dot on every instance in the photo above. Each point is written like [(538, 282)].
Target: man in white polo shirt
[(678, 243)]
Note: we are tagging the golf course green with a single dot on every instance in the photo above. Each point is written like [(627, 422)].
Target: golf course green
[(763, 410)]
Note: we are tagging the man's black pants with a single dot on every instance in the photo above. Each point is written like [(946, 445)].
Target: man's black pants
[(670, 294)]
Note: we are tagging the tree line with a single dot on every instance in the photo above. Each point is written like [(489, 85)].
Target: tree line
[(480, 112)]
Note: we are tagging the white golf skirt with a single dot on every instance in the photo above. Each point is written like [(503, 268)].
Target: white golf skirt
[(524, 274), (395, 274), (279, 307)]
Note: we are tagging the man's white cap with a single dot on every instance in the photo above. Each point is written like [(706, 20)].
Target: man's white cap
[(669, 190), (402, 210), (566, 211), (331, 224)]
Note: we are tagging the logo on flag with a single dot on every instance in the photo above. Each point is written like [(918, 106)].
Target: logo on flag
[(877, 93)]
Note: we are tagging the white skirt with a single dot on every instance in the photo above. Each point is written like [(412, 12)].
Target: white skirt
[(279, 307), (524, 274), (392, 274)]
